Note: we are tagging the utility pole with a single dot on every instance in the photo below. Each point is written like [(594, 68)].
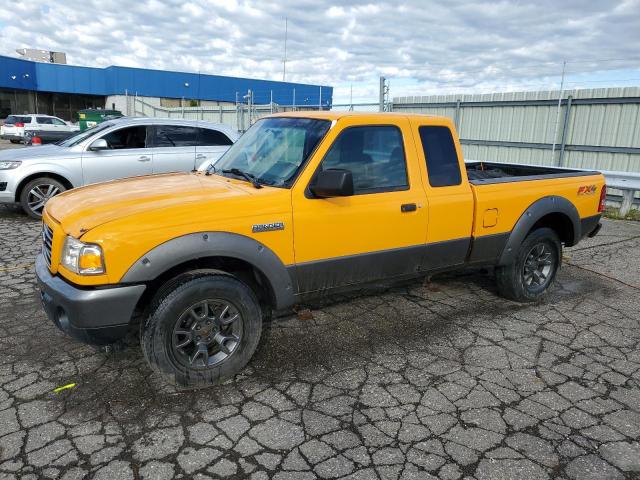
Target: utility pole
[(351, 99), (284, 60), (555, 131), (384, 94)]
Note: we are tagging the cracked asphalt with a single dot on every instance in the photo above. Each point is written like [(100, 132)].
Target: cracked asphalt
[(439, 379)]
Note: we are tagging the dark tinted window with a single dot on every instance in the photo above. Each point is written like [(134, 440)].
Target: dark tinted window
[(440, 152), (374, 155), (212, 138), (11, 119), (44, 120), (131, 137), (175, 136)]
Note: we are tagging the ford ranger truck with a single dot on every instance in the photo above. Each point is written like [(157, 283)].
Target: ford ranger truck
[(304, 204)]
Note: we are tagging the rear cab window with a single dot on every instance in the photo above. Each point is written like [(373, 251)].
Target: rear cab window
[(374, 155), (440, 153)]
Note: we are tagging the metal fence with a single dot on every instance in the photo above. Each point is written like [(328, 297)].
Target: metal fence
[(594, 128), (239, 116)]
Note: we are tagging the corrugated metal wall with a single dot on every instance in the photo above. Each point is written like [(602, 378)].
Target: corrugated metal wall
[(602, 127)]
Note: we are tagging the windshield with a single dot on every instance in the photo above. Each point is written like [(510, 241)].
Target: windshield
[(80, 136), (273, 149)]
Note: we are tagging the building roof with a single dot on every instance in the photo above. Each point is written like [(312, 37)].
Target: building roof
[(51, 77)]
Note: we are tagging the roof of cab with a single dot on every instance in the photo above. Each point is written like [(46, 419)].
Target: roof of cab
[(334, 115)]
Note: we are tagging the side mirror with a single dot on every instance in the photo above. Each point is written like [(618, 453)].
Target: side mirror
[(333, 183), (99, 144)]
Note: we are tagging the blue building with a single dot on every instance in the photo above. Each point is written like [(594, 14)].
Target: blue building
[(62, 90)]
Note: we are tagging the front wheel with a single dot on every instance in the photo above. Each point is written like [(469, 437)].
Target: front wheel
[(534, 269), (38, 192), (203, 330)]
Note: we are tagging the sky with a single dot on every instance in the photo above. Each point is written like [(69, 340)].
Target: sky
[(422, 47)]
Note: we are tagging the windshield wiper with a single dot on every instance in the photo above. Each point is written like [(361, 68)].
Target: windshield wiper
[(247, 176)]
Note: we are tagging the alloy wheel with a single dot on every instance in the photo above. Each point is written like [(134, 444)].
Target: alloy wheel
[(39, 195), (538, 266), (207, 333)]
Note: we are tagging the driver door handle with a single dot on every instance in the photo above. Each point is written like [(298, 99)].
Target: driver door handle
[(408, 207), (201, 157), (144, 158)]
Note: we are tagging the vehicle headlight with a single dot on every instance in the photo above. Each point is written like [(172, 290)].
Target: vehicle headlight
[(9, 165), (82, 258)]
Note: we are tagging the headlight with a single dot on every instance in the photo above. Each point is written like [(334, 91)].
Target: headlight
[(9, 165), (82, 258)]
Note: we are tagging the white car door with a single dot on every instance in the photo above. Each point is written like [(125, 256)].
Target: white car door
[(174, 148), (211, 145), (127, 156), (44, 124)]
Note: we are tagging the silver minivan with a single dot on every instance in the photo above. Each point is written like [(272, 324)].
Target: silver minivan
[(124, 147)]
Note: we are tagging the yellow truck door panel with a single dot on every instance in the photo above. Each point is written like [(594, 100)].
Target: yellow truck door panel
[(380, 231), (449, 196)]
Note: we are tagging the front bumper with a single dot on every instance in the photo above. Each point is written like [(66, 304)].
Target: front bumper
[(98, 316)]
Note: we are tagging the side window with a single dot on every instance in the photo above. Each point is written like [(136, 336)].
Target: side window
[(131, 137), (374, 155), (212, 138), (44, 121), (57, 121), (440, 152), (175, 136)]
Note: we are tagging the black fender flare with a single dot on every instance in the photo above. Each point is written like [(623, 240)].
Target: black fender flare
[(215, 244), (535, 211)]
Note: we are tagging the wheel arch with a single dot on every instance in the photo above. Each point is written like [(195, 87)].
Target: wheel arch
[(242, 256), (554, 212), (56, 176)]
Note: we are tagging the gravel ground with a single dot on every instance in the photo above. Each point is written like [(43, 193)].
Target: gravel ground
[(428, 380)]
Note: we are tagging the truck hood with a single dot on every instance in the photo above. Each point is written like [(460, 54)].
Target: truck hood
[(82, 209), (27, 153)]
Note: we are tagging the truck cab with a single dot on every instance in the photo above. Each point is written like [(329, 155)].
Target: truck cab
[(304, 204)]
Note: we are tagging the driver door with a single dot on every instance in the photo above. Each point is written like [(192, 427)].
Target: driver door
[(380, 231), (127, 156)]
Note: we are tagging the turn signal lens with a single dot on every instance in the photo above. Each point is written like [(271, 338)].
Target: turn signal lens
[(603, 199)]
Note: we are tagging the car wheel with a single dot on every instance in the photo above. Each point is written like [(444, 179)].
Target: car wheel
[(15, 141), (534, 269), (203, 329), (37, 192)]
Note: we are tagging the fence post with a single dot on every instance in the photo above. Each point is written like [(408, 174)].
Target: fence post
[(456, 116), (565, 127)]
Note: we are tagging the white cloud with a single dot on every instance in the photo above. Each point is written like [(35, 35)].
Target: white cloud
[(423, 47)]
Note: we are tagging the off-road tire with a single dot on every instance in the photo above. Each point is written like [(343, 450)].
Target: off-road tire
[(156, 331), (511, 278), (41, 182)]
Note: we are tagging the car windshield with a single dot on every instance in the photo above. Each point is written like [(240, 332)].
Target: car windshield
[(273, 149), (80, 136)]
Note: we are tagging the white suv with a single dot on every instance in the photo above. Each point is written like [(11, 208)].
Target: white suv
[(18, 128)]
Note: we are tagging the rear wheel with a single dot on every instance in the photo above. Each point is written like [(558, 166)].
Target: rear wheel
[(202, 330), (37, 193), (534, 269)]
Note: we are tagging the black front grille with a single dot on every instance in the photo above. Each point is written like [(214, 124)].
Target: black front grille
[(3, 186), (47, 240)]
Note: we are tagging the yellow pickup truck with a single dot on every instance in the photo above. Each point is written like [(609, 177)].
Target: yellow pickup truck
[(302, 205)]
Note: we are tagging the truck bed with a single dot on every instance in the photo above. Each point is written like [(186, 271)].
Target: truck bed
[(483, 173)]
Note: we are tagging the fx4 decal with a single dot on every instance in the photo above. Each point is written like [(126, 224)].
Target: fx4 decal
[(587, 190)]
